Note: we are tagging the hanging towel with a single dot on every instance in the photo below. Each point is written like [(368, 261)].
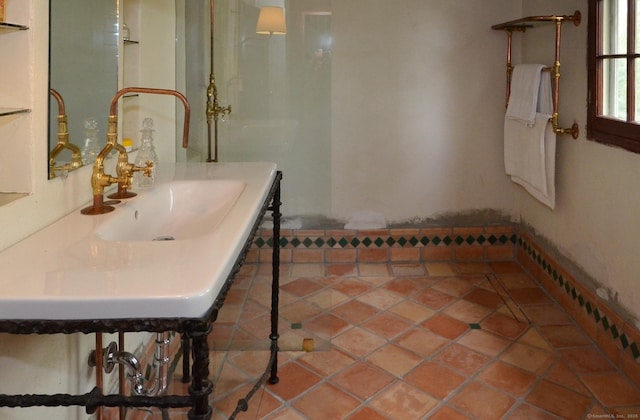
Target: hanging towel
[(525, 89), (530, 147)]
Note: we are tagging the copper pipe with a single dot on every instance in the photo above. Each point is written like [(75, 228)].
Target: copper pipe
[(509, 66), (98, 361), (520, 24), (187, 109), (61, 108), (213, 108), (121, 375)]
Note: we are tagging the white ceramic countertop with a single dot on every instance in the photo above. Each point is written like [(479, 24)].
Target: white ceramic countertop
[(66, 271)]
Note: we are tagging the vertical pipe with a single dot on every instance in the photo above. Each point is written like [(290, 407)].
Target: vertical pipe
[(509, 66), (212, 7), (121, 375), (556, 66), (99, 381)]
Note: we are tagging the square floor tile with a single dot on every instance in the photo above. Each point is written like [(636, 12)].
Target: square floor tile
[(612, 389), (380, 298), (445, 326), (587, 359), (559, 400), (363, 380), (435, 379), (504, 325), (462, 359), (412, 311), (508, 378), (481, 401), (529, 358), (395, 359), (355, 312), (484, 342), (421, 342), (388, 325), (433, 299), (404, 401), (326, 402), (359, 342)]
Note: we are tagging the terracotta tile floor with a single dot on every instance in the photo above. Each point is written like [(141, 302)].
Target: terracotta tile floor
[(408, 341)]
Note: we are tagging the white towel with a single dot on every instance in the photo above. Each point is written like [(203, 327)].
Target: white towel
[(525, 89), (530, 147), (530, 157)]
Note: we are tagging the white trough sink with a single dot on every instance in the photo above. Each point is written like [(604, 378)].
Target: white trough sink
[(110, 267), (173, 211)]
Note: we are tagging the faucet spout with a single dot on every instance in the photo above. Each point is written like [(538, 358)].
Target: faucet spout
[(124, 169), (187, 108)]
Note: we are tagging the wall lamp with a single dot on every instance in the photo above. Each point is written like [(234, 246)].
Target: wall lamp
[(271, 21)]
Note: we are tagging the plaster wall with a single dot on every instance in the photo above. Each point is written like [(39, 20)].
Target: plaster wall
[(594, 223), (417, 108)]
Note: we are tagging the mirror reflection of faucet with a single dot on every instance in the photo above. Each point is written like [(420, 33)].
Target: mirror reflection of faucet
[(124, 169), (63, 142)]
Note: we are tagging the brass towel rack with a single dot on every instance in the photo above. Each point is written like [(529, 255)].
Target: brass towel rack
[(521, 25)]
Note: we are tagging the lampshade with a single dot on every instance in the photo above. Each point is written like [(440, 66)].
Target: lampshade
[(271, 21)]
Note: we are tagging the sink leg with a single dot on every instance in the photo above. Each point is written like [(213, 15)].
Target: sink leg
[(201, 387), (186, 353), (275, 283)]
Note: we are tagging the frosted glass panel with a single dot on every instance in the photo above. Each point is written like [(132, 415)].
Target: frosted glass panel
[(279, 88)]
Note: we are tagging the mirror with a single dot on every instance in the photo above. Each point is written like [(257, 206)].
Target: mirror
[(83, 70)]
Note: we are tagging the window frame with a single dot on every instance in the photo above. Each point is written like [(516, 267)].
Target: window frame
[(600, 128)]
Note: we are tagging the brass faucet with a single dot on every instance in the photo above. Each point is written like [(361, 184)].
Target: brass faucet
[(63, 141), (214, 110), (124, 169)]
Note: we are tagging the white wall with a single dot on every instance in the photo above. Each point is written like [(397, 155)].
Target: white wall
[(598, 199), (418, 107)]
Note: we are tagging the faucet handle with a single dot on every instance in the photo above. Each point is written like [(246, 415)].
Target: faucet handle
[(147, 169)]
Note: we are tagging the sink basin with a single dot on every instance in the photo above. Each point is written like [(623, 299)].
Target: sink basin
[(110, 267), (174, 211)]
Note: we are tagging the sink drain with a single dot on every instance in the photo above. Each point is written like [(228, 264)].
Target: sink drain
[(164, 238)]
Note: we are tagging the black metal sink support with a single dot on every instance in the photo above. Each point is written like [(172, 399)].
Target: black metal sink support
[(194, 334)]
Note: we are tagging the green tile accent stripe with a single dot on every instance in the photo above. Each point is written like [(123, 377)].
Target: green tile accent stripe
[(388, 241), (589, 308)]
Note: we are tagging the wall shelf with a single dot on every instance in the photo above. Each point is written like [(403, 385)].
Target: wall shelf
[(13, 111), (13, 26)]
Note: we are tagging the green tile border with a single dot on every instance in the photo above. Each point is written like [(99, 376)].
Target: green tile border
[(589, 308), (386, 241)]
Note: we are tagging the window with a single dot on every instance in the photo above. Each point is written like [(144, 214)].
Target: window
[(614, 73)]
